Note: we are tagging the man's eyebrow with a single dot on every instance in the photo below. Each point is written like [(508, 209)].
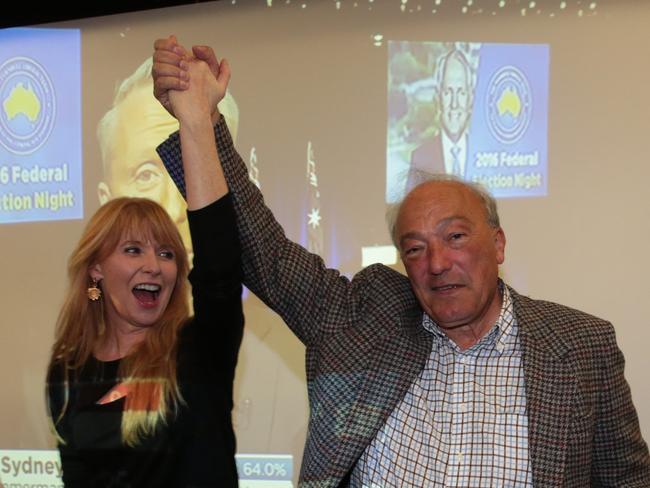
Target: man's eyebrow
[(411, 235), (439, 226), (448, 220)]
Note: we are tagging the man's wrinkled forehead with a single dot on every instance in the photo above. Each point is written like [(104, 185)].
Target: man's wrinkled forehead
[(442, 201)]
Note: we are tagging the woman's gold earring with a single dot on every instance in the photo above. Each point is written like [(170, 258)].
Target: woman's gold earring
[(94, 292)]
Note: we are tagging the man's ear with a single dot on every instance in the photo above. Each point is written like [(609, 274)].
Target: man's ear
[(103, 193), (500, 245)]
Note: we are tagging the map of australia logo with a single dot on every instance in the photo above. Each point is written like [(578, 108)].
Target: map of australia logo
[(509, 105), (27, 105)]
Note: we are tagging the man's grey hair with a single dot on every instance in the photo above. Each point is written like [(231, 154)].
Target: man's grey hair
[(419, 177)]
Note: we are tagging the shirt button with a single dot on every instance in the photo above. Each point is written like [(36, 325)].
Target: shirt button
[(462, 408)]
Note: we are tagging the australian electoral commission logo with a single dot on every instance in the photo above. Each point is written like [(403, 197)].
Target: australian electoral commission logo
[(27, 105), (509, 105)]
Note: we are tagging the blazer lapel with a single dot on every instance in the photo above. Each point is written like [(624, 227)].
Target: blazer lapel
[(396, 363), (550, 387)]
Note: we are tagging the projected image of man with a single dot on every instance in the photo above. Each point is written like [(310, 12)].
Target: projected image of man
[(128, 135), (446, 151)]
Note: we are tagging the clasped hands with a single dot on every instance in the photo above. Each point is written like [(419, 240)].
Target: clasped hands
[(188, 84)]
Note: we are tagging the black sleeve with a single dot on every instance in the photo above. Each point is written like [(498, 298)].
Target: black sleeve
[(75, 471), (216, 281)]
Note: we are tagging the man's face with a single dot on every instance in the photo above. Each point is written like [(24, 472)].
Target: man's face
[(451, 255), (136, 170), (455, 99)]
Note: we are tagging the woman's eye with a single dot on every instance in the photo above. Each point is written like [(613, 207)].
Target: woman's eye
[(167, 254)]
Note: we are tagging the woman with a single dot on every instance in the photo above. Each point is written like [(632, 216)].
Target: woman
[(140, 394)]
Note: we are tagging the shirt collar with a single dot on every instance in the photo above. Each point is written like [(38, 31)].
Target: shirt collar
[(502, 335)]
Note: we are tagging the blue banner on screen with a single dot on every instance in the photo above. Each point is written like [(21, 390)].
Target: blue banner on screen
[(40, 125), (479, 111)]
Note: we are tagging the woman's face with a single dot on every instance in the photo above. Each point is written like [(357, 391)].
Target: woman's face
[(137, 281)]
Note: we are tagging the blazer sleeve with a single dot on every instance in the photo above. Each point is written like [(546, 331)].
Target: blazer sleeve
[(620, 453), (310, 298)]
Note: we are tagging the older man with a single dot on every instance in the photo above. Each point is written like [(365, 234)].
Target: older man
[(447, 377), (446, 151)]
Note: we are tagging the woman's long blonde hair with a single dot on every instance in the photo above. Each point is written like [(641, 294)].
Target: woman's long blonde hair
[(149, 371)]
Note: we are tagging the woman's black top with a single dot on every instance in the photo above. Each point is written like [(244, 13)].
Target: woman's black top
[(196, 447)]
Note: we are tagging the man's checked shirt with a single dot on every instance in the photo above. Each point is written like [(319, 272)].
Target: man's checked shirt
[(462, 423)]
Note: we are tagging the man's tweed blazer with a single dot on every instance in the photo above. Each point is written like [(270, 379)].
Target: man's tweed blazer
[(365, 346)]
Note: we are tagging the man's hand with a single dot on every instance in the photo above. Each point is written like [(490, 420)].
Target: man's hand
[(170, 70), (193, 105)]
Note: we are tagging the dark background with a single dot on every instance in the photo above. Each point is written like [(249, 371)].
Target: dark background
[(60, 11)]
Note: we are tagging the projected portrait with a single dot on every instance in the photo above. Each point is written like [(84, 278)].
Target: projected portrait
[(445, 151), (128, 135), (475, 110), (431, 94)]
